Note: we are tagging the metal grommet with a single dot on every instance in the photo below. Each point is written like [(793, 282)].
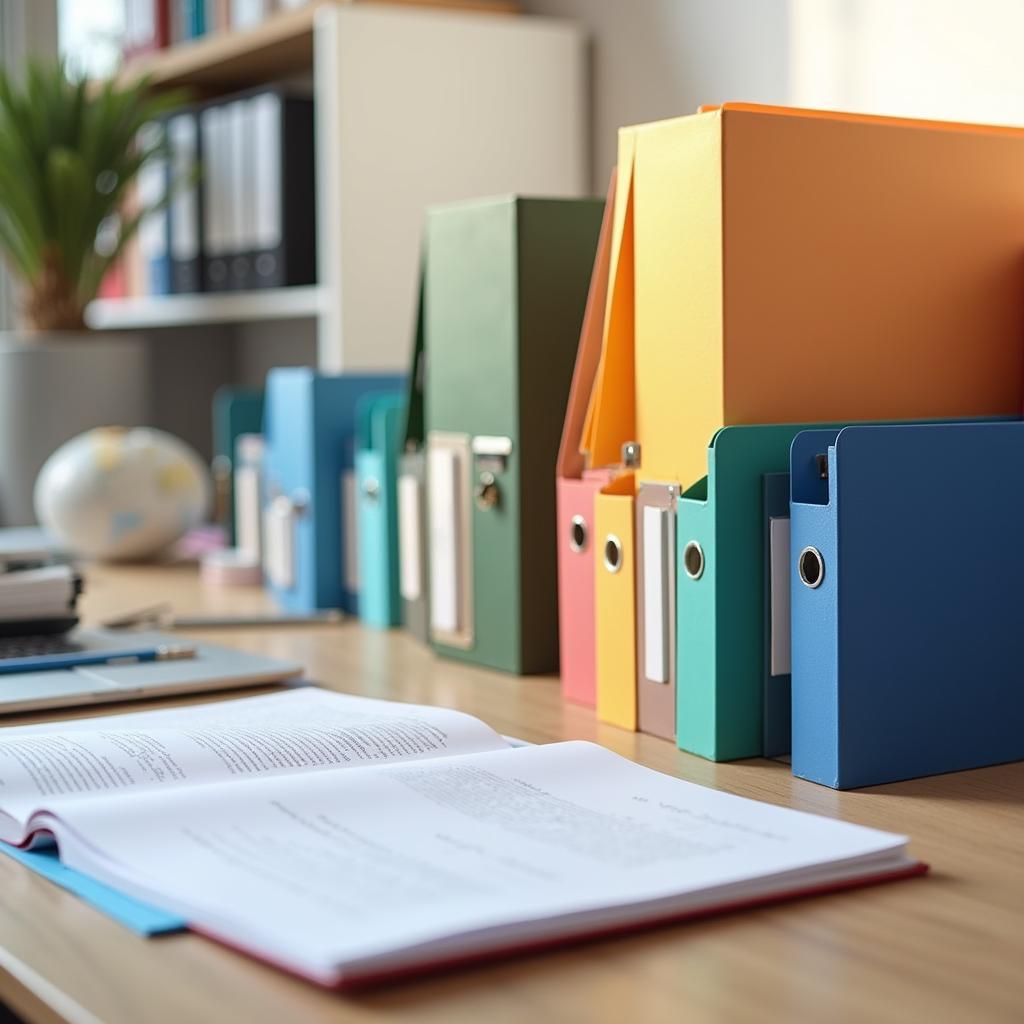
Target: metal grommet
[(371, 489), (487, 494), (693, 560), (810, 567), (577, 534), (613, 553)]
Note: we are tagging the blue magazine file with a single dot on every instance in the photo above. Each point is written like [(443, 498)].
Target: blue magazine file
[(907, 559), (310, 540)]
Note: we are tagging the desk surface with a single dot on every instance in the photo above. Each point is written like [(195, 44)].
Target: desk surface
[(949, 946)]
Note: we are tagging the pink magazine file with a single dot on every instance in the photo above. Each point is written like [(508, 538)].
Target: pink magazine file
[(576, 485)]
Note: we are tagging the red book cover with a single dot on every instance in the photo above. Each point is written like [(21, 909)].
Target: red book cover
[(147, 27)]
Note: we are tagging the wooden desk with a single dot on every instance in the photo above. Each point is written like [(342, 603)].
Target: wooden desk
[(949, 946)]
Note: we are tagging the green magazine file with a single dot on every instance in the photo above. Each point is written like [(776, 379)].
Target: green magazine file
[(720, 593), (505, 288), (413, 555)]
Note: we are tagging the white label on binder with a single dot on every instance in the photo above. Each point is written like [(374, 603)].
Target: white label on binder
[(210, 128), (779, 572), (410, 553), (184, 144), (247, 511), (279, 532), (267, 116), (657, 576), (349, 530), (151, 185), (443, 508)]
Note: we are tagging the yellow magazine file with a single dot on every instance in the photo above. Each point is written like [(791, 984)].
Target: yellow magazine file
[(609, 427), (615, 575)]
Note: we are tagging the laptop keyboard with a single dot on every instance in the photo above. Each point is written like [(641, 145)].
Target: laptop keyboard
[(36, 646)]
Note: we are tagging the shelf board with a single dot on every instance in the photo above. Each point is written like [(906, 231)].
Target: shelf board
[(218, 308), (276, 48), (282, 45)]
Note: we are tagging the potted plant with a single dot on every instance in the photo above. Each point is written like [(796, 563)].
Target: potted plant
[(69, 153)]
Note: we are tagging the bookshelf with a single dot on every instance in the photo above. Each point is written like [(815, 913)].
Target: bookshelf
[(280, 46), (396, 85), (157, 311), (277, 48)]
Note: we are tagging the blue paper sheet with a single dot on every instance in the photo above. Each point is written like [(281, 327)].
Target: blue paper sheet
[(141, 918)]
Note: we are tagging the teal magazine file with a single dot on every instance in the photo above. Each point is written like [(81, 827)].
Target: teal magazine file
[(236, 411), (379, 422)]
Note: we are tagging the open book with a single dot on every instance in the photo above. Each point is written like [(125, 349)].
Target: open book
[(348, 839)]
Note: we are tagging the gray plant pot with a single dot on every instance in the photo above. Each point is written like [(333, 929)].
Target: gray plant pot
[(53, 387)]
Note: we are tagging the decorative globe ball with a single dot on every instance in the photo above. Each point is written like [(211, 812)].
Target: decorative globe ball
[(118, 494)]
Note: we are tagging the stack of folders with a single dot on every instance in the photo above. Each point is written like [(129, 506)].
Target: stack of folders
[(38, 598), (710, 625), (240, 211)]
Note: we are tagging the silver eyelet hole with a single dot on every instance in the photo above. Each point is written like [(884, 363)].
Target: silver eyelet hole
[(578, 534), (693, 560), (613, 553), (810, 567)]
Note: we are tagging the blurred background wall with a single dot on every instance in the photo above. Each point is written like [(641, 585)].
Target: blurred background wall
[(924, 58)]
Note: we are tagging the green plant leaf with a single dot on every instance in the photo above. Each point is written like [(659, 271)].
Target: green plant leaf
[(69, 154)]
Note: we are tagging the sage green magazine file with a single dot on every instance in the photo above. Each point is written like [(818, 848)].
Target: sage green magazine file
[(413, 556), (720, 593), (505, 289)]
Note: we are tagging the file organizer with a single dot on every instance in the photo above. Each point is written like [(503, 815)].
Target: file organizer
[(505, 289), (576, 487), (733, 626), (311, 555), (412, 495), (790, 218), (777, 632), (827, 259), (413, 549), (907, 561), (184, 212), (151, 186), (720, 627), (379, 421), (284, 227), (236, 411), (258, 195), (616, 604)]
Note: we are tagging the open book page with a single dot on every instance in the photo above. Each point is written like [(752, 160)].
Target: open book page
[(341, 873), (299, 731)]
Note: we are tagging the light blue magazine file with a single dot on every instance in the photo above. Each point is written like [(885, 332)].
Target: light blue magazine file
[(379, 421)]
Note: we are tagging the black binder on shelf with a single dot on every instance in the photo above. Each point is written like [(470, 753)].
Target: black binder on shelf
[(283, 234), (185, 210), (214, 144), (259, 207)]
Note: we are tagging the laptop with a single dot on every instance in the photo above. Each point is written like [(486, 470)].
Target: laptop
[(211, 668)]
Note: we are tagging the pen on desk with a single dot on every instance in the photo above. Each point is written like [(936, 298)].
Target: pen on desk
[(323, 617), (80, 659), (160, 615)]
